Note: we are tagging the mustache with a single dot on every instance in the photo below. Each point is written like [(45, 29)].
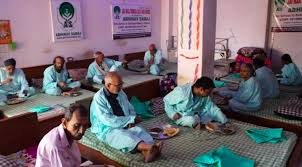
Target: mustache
[(58, 68)]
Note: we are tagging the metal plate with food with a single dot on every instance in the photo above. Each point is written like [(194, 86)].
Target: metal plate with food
[(222, 129), (75, 94), (15, 100), (140, 70), (163, 133)]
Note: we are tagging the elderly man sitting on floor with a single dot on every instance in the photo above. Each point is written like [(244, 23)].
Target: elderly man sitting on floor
[(153, 59), (190, 104), (100, 67), (56, 79), (13, 81), (113, 121)]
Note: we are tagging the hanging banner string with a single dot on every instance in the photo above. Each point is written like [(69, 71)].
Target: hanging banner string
[(190, 23), (198, 24), (182, 24)]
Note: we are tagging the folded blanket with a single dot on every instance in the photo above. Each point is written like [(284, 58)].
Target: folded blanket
[(142, 109), (219, 84), (271, 135), (222, 157), (235, 75), (40, 109)]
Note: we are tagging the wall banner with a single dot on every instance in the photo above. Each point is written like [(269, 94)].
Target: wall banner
[(130, 21), (5, 32), (66, 20), (286, 16)]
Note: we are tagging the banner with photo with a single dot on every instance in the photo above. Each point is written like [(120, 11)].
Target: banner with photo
[(130, 21), (66, 20), (287, 16), (5, 32)]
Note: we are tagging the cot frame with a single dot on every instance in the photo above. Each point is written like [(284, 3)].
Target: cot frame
[(19, 132)]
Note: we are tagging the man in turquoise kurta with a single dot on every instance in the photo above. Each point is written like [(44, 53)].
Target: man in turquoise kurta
[(189, 105), (249, 96), (13, 81), (153, 59), (291, 74), (114, 121), (100, 67), (266, 79), (56, 80)]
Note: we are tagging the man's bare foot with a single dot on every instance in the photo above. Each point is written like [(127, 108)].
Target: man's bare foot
[(198, 126), (151, 154), (160, 145)]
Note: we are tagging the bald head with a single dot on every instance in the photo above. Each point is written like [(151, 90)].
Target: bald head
[(152, 48), (113, 82), (112, 76), (99, 57)]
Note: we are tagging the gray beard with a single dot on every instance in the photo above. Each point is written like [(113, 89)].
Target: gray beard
[(58, 70)]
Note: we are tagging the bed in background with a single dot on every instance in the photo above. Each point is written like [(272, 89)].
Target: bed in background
[(169, 67), (36, 74), (76, 64), (44, 99), (131, 78), (290, 90), (78, 67), (180, 151), (49, 119), (266, 116)]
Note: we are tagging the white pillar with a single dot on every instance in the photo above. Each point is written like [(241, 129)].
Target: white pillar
[(196, 39), (167, 7)]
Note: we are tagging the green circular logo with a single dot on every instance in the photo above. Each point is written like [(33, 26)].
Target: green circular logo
[(66, 10), (279, 3), (117, 10)]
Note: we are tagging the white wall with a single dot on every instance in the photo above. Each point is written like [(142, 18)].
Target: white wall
[(246, 23), (31, 29), (169, 25), (165, 30), (286, 42), (243, 21)]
